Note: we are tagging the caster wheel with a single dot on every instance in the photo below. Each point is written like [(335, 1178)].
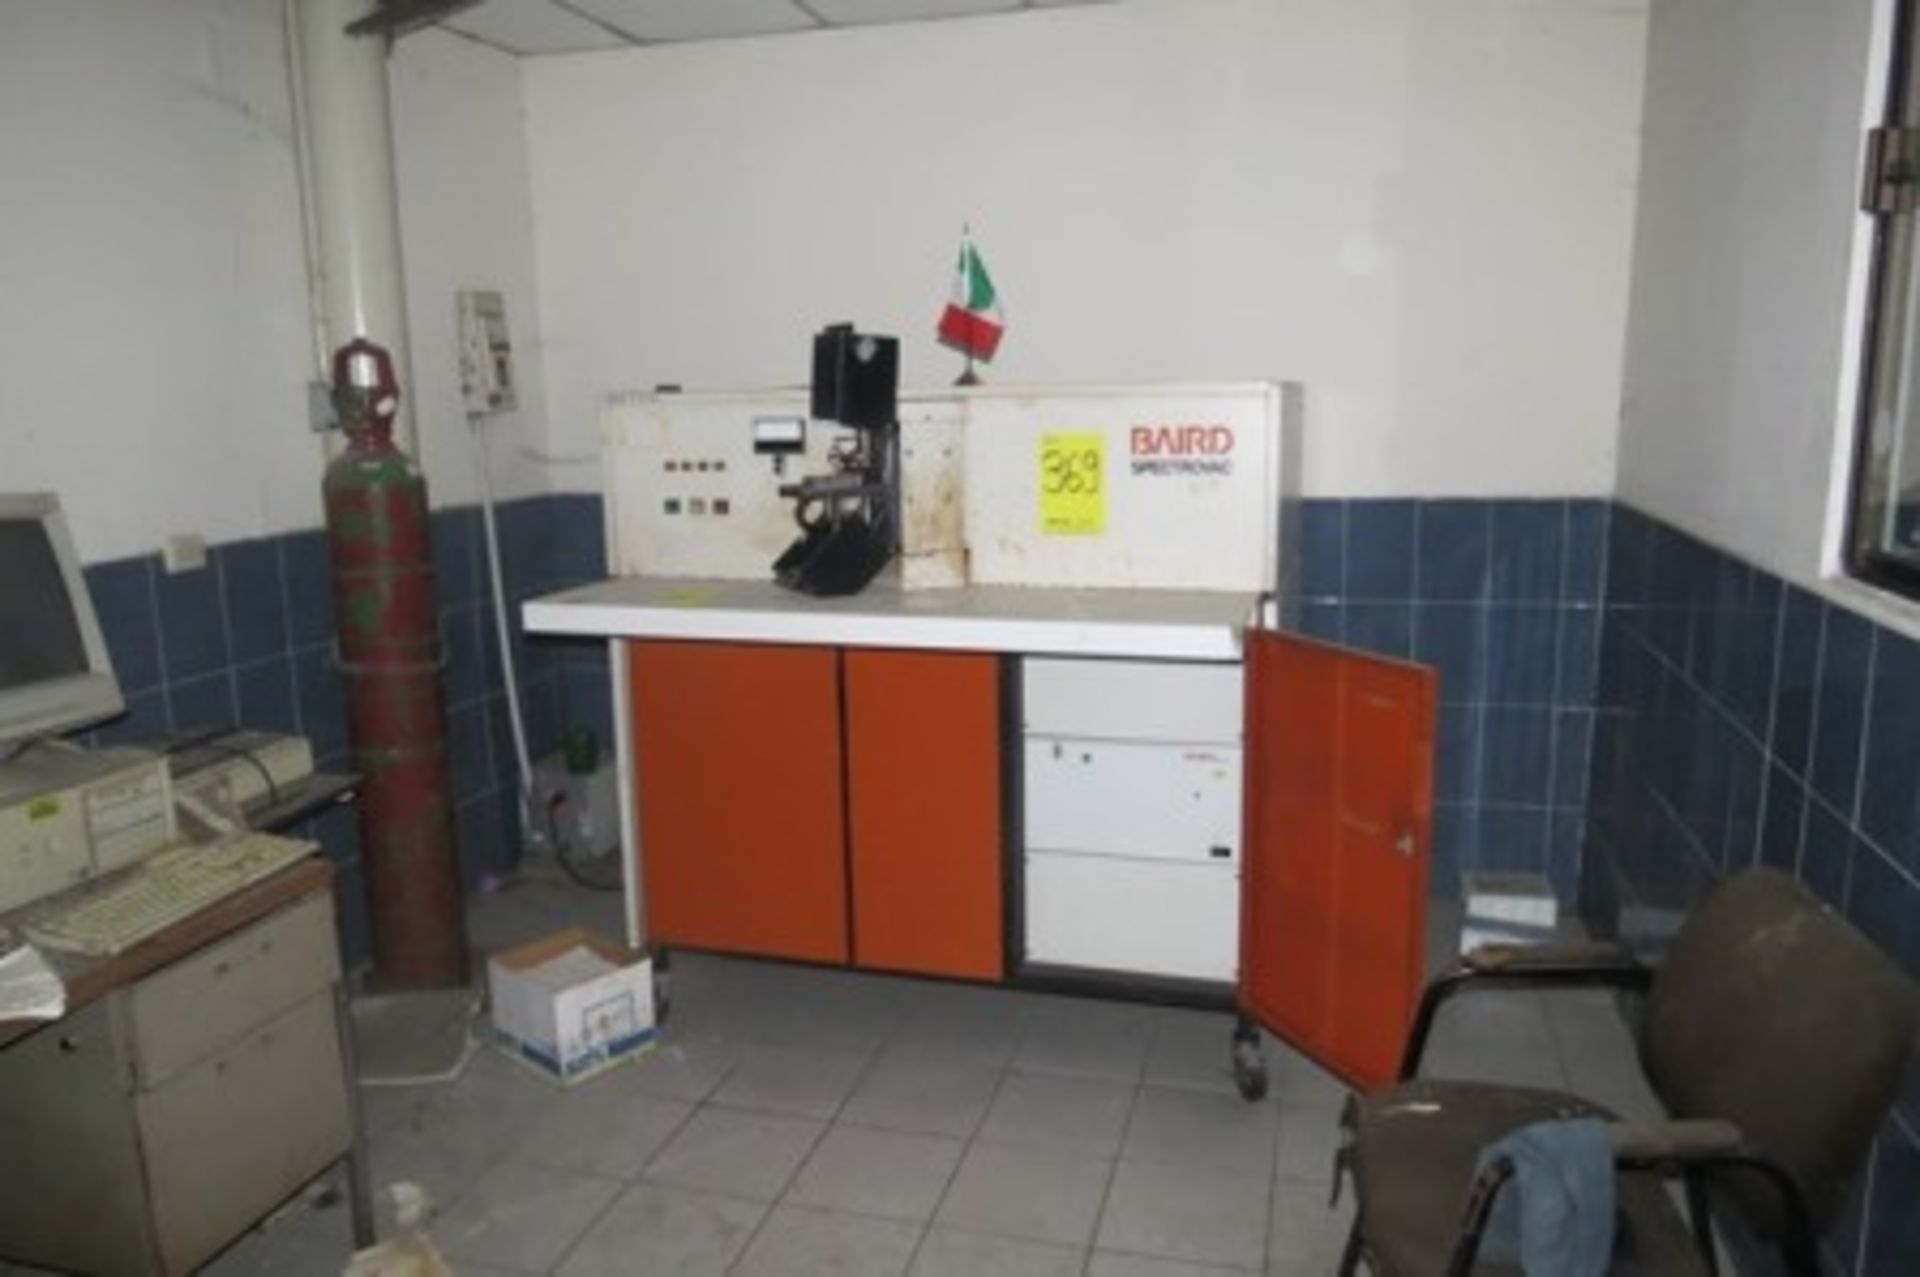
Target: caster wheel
[(1251, 1079), (1249, 1071)]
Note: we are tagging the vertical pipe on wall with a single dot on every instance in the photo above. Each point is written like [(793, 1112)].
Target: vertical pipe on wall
[(346, 152)]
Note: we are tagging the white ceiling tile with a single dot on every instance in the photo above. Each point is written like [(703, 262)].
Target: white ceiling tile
[(532, 26), (698, 19), (858, 11)]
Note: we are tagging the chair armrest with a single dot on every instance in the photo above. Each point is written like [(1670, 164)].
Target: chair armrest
[(1689, 1148), (1649, 1143), (1571, 956), (1587, 964)]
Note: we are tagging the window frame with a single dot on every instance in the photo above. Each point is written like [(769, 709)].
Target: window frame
[(1894, 262)]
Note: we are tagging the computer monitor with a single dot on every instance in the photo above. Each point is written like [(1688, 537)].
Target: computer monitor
[(55, 674)]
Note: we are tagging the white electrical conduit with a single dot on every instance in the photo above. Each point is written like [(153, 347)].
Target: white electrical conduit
[(503, 630)]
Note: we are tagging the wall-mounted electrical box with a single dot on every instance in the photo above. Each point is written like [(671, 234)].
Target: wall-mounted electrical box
[(487, 383)]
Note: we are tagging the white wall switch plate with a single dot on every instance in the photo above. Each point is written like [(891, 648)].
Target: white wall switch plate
[(184, 553)]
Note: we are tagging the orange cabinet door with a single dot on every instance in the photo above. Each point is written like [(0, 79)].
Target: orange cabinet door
[(1338, 806), (738, 768), (923, 781)]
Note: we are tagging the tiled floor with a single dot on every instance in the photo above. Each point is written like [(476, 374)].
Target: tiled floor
[(797, 1121)]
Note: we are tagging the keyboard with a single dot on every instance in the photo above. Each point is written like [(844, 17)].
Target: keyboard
[(172, 884)]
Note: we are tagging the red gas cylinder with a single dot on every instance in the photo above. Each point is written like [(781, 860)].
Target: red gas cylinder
[(382, 561)]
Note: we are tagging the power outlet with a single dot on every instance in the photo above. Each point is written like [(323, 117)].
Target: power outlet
[(184, 553)]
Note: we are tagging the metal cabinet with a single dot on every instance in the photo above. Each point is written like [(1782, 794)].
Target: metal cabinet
[(1130, 816), (831, 805), (146, 1131)]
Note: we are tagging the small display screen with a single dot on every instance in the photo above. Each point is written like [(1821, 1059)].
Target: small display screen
[(39, 633), (779, 434)]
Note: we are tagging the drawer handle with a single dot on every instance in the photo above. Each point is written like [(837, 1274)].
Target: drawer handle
[(70, 1043)]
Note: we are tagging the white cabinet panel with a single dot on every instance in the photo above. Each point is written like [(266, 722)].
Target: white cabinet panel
[(1136, 916), (1165, 802), (1132, 700)]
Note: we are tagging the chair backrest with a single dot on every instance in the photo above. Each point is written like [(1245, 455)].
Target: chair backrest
[(1771, 1011)]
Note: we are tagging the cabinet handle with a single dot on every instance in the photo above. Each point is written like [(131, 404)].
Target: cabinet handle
[(1404, 843)]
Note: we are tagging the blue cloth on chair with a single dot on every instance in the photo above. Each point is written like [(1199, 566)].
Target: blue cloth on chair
[(1556, 1215)]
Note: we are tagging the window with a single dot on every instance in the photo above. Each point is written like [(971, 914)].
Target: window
[(1883, 535)]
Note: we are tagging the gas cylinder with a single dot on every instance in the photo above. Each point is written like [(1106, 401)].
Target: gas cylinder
[(389, 652)]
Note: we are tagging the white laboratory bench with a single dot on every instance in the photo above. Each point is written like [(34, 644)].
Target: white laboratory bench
[(1072, 759), (1173, 625)]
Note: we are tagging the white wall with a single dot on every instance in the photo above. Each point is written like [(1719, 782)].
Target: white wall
[(466, 221), (1747, 264), (1422, 211), (154, 339), (153, 315)]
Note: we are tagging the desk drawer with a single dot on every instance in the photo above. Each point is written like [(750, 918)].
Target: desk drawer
[(213, 998), (1138, 917), (1132, 700), (228, 1139), (1126, 798)]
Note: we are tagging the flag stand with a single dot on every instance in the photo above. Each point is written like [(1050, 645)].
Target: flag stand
[(967, 376)]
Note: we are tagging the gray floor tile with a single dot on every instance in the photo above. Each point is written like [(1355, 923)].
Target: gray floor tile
[(948, 1252), (599, 1130), (798, 1242), (1084, 1038), (671, 1232), (1044, 1111), (800, 1080), (744, 1154), (871, 1172), (1190, 1213), (1499, 1036), (480, 1117), (958, 1022), (1304, 1233), (1308, 1139), (1047, 1195), (303, 1237), (842, 1011), (679, 1067), (1202, 1128), (1597, 1053), (384, 1107), (437, 1161), (1301, 1083), (1191, 1049), (931, 1094), (522, 1217), (1107, 1263)]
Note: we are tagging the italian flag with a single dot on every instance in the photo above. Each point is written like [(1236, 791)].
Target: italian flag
[(971, 322)]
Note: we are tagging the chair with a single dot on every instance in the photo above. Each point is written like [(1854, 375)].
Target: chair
[(1774, 1034)]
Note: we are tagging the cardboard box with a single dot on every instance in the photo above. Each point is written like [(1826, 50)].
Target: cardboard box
[(572, 1004)]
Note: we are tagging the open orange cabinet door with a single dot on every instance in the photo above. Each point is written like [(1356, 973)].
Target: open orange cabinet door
[(1338, 814)]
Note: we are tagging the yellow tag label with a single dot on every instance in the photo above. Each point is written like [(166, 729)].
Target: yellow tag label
[(687, 596), (43, 808), (1073, 484)]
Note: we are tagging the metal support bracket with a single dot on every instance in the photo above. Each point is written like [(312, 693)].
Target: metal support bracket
[(1891, 175)]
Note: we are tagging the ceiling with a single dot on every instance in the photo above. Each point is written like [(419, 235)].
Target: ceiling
[(573, 26)]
